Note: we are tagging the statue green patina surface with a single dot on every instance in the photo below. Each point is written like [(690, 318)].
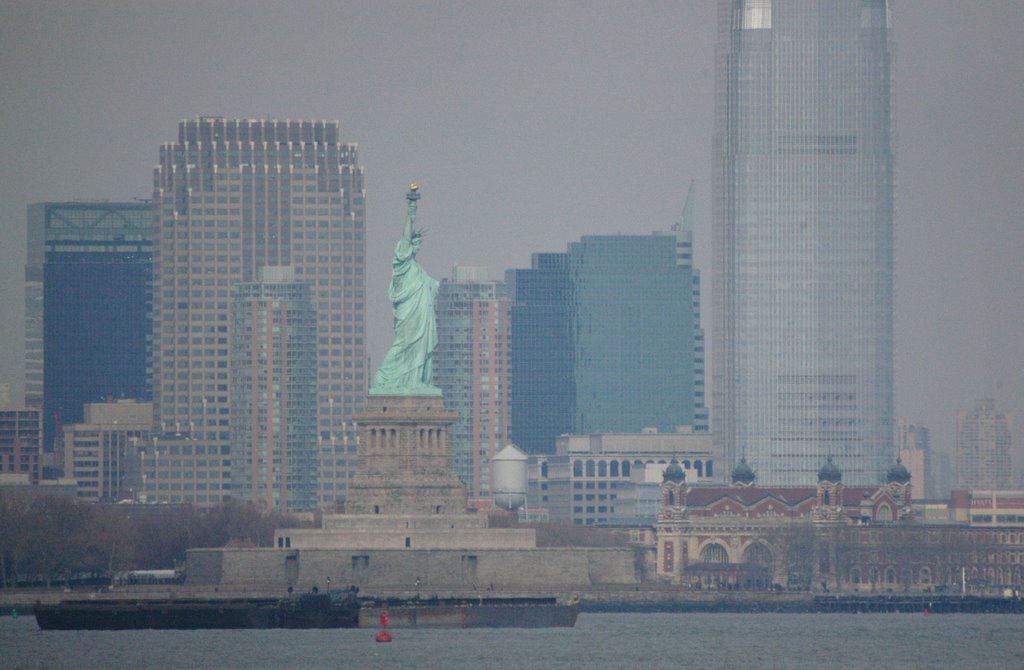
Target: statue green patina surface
[(407, 367)]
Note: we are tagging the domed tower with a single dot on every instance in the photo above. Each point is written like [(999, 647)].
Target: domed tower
[(672, 519), (897, 480), (743, 474), (673, 491), (830, 492)]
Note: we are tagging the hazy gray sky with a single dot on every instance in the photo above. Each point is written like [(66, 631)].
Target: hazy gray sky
[(529, 124)]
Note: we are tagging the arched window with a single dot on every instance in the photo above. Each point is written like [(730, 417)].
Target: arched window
[(602, 469), (714, 553), (708, 470), (625, 468), (590, 468), (826, 498), (544, 470), (671, 497), (890, 576), (925, 576), (613, 468), (686, 464), (884, 513), (855, 575), (699, 467), (577, 468), (758, 554)]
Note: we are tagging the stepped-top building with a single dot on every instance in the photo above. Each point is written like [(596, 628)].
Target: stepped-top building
[(233, 196)]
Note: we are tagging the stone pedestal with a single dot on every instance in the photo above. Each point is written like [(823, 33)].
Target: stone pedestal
[(405, 462)]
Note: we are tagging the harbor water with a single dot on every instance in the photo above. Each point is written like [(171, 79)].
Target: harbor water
[(597, 641)]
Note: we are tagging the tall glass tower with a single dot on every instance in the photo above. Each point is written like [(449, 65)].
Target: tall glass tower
[(803, 238), (88, 304)]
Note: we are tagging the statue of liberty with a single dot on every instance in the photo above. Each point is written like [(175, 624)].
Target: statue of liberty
[(407, 368)]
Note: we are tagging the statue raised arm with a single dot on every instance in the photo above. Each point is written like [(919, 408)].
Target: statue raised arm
[(407, 367)]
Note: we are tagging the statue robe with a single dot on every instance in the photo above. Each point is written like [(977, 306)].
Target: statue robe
[(407, 368)]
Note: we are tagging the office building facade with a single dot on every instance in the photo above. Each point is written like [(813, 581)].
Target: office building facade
[(983, 444), (21, 442), (472, 369), (633, 334), (543, 391), (274, 453), (607, 338), (233, 196), (88, 307), (103, 453), (803, 238)]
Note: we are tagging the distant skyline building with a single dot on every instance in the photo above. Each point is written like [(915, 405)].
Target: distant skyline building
[(274, 446), (103, 453), (472, 368), (803, 239), (611, 330), (913, 443), (233, 196), (88, 307), (21, 442), (983, 446)]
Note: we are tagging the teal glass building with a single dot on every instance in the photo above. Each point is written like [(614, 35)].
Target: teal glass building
[(803, 238), (607, 338)]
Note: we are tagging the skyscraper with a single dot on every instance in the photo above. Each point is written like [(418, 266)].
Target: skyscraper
[(274, 454), (88, 302), (983, 443), (607, 338), (633, 334), (471, 367), (803, 238), (231, 197), (543, 392)]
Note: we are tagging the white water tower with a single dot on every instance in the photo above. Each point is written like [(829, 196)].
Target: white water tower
[(508, 478)]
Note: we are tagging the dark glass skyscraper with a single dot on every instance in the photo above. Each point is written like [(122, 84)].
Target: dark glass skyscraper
[(543, 390), (803, 238), (88, 307)]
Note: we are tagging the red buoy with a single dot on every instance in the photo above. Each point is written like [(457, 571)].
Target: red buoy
[(383, 635)]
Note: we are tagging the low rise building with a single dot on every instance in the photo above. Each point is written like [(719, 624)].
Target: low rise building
[(103, 454), (994, 509), (614, 478), (21, 442)]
